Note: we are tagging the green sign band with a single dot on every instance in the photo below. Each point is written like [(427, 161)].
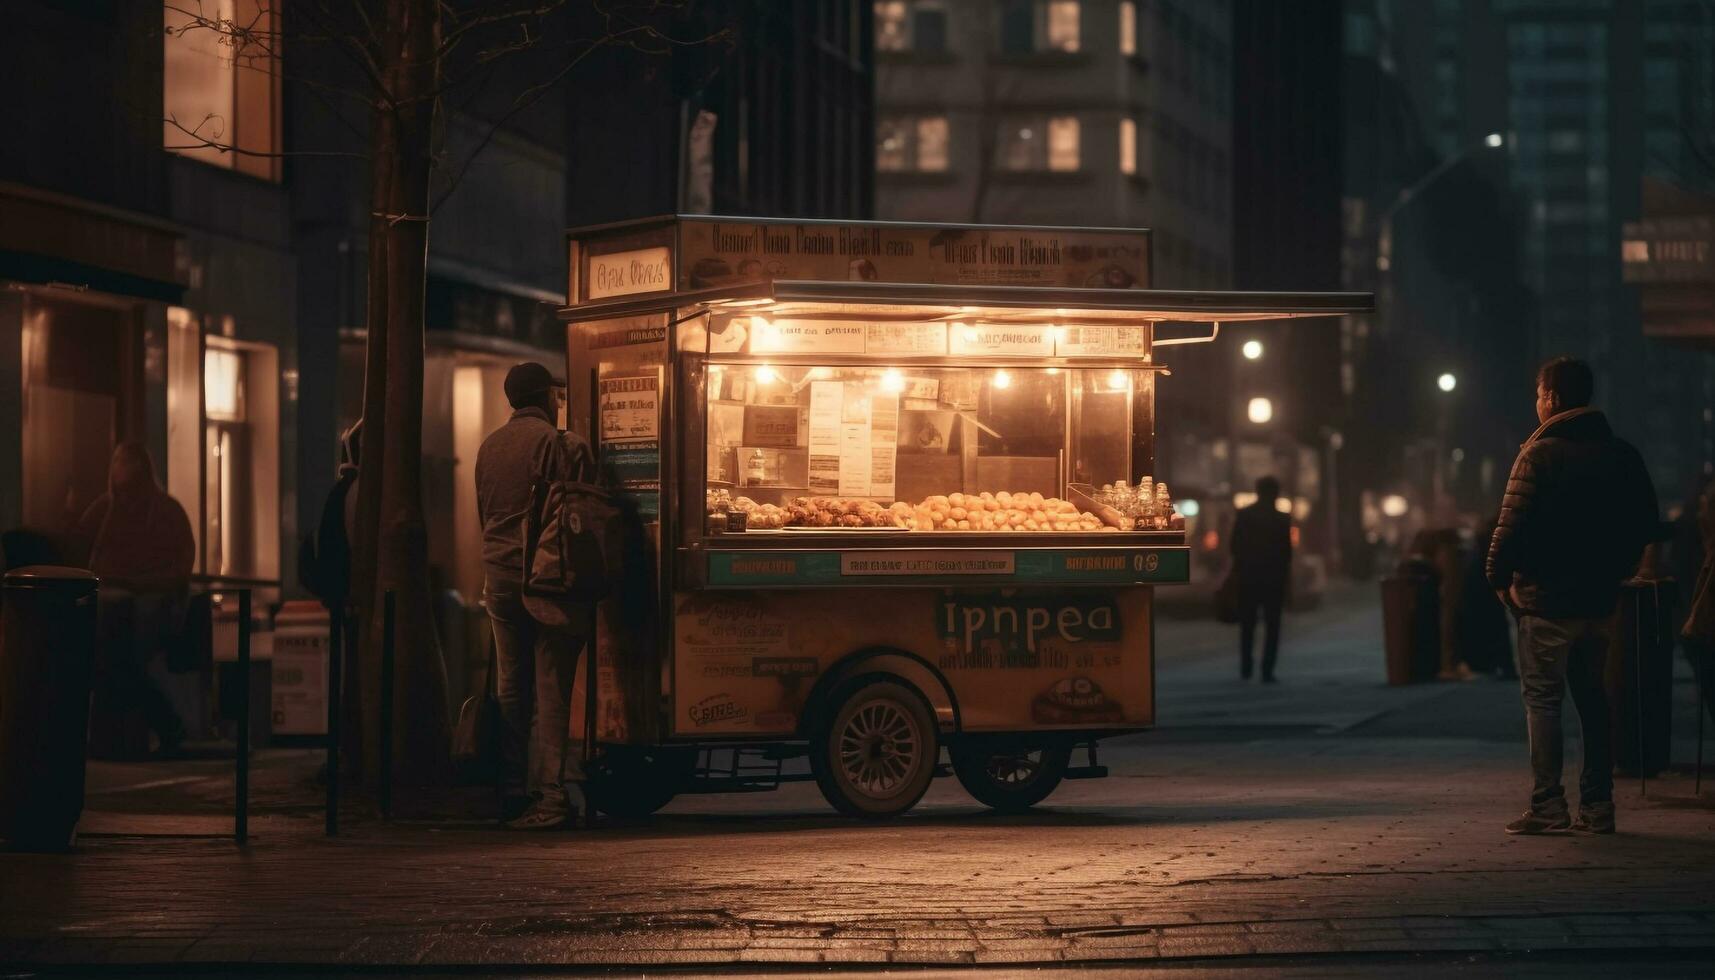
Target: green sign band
[(1075, 566)]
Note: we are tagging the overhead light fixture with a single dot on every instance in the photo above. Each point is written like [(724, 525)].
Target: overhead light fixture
[(1002, 379), (892, 381), (1118, 379), (766, 375)]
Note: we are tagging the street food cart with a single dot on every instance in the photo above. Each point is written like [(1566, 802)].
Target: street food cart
[(891, 491)]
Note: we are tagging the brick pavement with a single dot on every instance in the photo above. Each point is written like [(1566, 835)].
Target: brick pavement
[(1365, 838)]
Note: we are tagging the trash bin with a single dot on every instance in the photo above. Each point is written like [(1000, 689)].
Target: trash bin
[(1411, 623), (1639, 677), (47, 654)]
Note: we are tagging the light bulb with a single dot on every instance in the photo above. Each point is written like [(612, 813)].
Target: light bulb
[(892, 381), (766, 375), (1002, 379), (1252, 349), (1118, 379)]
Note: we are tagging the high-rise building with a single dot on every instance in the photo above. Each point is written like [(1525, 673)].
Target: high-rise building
[(1064, 112), (1583, 101)]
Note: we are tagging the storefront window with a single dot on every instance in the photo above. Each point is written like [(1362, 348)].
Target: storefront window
[(221, 96)]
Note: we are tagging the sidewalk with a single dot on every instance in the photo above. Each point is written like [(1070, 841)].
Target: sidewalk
[(1328, 816)]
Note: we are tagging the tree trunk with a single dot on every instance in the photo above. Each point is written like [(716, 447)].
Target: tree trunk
[(398, 270)]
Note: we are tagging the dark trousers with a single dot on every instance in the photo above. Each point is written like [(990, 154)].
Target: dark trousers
[(535, 669), (1556, 656), (1267, 602), (132, 631)]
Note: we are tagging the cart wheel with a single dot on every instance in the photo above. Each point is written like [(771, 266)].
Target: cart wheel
[(633, 782), (878, 751), (1008, 776)]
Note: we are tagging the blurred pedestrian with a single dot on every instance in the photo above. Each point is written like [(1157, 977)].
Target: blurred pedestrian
[(535, 665), (1698, 634), (1262, 567), (143, 550), (324, 555), (1579, 509)]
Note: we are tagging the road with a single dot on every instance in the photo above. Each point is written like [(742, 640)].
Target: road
[(1330, 817)]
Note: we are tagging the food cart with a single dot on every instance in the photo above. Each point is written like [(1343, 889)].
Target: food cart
[(891, 492)]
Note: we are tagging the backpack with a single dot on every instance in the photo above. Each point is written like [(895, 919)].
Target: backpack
[(571, 541)]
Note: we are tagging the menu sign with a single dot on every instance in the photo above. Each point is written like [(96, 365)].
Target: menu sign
[(1102, 342), (643, 270), (997, 340), (806, 337), (717, 252), (854, 440), (906, 339), (629, 408)]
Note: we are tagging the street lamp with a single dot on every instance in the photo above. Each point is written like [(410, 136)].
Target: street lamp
[(1252, 349), (1447, 381), (1260, 410)]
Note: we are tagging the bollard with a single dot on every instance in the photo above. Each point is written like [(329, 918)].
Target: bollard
[(386, 747), (241, 811), (336, 638)]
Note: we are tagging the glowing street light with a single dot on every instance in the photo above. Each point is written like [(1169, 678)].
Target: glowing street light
[(1252, 349), (1260, 410), (1447, 382), (1394, 505), (1494, 141)]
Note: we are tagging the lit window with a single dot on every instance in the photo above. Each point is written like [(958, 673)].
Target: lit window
[(910, 25), (222, 385), (1128, 28), (1062, 25), (906, 143), (1063, 143), (1036, 26), (1034, 143), (1128, 146), (890, 26), (221, 98), (891, 137), (932, 144)]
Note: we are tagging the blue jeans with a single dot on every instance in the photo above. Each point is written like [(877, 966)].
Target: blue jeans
[(1554, 656), (535, 669)]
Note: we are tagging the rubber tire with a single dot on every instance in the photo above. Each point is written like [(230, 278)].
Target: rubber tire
[(971, 766), (632, 783), (830, 775)]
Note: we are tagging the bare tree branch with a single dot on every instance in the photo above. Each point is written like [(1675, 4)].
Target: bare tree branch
[(206, 143)]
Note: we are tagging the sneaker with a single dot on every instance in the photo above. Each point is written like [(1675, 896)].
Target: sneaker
[(540, 816), (1595, 818), (1534, 823)]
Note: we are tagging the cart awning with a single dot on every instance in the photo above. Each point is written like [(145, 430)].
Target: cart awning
[(818, 299)]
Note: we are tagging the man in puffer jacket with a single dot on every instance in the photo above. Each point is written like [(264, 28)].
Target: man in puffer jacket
[(1578, 511)]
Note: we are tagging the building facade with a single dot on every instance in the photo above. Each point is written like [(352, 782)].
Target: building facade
[(1061, 112)]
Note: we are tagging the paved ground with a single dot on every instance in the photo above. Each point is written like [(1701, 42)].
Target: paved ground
[(1328, 816)]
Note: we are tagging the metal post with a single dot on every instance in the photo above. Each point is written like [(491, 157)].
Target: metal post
[(1702, 709), (1638, 709), (387, 706), (336, 674), (241, 812)]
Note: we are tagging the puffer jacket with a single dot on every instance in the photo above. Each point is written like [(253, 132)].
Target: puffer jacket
[(1578, 511)]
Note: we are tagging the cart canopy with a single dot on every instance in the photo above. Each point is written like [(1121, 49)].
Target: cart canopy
[(836, 300)]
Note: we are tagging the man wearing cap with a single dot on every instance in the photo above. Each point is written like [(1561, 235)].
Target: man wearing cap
[(539, 768)]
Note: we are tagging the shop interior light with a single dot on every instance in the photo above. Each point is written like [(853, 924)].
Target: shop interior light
[(1252, 349), (766, 375), (1260, 410), (1118, 379), (1393, 505), (892, 381), (1002, 379)]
